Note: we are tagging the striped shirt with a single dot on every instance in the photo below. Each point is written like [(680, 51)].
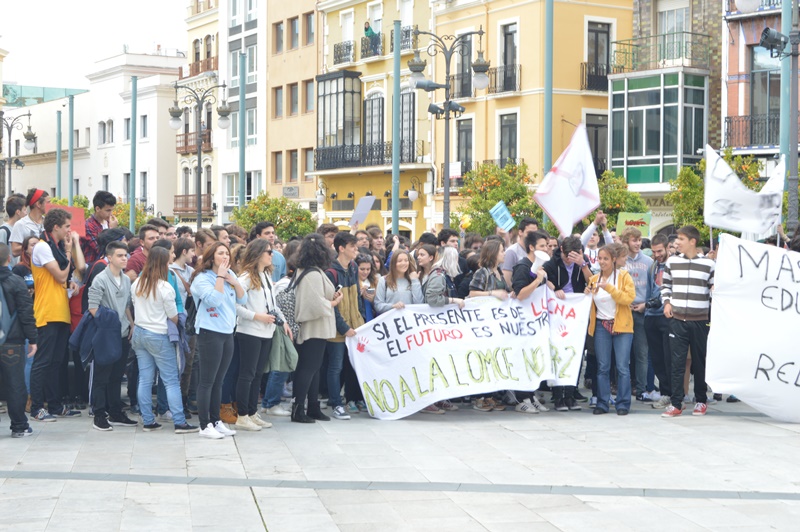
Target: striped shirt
[(687, 287)]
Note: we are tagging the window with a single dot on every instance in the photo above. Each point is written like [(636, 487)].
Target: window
[(599, 38), (104, 182), (110, 131), (294, 33), (208, 179), (254, 184), (672, 23), (765, 96), (338, 109), (408, 108), (234, 66), (308, 89), (143, 185), (508, 138), (309, 23), (252, 64), (236, 15), (277, 30), (309, 164), (231, 189), (373, 119), (277, 167), (187, 180), (597, 130), (509, 68), (294, 99), (87, 135), (196, 46), (252, 129), (126, 185), (143, 126), (76, 186), (126, 129), (252, 10), (277, 95), (76, 140), (234, 129), (101, 134), (294, 164), (463, 82), (464, 141)]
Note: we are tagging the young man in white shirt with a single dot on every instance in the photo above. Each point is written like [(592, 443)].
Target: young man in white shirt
[(32, 224), (516, 252)]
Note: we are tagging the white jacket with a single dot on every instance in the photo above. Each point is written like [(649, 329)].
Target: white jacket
[(260, 300)]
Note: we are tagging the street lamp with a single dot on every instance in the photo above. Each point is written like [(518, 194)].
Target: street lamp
[(200, 99), (461, 45), (322, 192), (413, 194), (10, 124)]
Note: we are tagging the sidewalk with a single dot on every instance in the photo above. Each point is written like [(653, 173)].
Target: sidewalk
[(733, 469)]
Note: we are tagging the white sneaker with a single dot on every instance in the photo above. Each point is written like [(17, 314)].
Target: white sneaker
[(211, 433), (655, 395), (340, 413), (220, 427), (663, 402), (245, 423), (539, 405), (526, 407), (166, 416), (260, 422), (278, 410)]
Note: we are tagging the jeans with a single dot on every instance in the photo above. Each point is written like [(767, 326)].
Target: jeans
[(132, 369), (253, 358), (12, 370), (215, 351), (154, 350), (336, 352), (639, 352), (682, 336), (231, 377), (274, 388), (657, 328), (603, 342), (45, 371), (306, 376), (188, 370), (591, 363), (107, 385), (76, 384)]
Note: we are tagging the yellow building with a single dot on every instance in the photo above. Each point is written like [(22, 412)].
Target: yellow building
[(354, 115), (505, 121)]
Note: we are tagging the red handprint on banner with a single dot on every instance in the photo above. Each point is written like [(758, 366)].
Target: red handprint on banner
[(562, 331), (362, 344)]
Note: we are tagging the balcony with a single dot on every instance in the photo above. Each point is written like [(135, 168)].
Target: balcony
[(372, 46), (504, 79), (199, 6), (662, 51), (406, 38), (594, 76), (187, 204), (764, 5), (359, 155), (186, 143), (470, 166), (752, 130), (344, 52), (208, 64), (461, 85)]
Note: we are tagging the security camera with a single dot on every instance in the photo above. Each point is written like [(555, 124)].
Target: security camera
[(773, 40), (435, 110), (453, 106)]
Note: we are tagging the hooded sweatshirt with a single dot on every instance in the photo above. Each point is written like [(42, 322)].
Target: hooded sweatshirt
[(348, 312), (637, 266)]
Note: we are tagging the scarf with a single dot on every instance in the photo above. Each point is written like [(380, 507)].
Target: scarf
[(58, 253)]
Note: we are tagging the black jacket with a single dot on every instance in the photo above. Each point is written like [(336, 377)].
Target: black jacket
[(557, 274), (19, 301)]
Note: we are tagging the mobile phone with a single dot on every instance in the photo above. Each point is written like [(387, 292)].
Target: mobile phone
[(338, 287), (370, 290)]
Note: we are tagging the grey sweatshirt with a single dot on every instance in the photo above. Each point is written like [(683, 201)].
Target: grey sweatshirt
[(105, 292), (385, 297), (637, 266)]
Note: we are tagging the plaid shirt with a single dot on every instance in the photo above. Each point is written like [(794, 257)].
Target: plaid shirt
[(89, 242)]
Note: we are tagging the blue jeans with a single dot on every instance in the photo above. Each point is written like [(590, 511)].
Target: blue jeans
[(274, 390), (336, 352), (603, 342), (639, 353), (153, 351), (162, 403)]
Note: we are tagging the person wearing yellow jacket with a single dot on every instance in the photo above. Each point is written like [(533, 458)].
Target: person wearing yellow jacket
[(611, 325)]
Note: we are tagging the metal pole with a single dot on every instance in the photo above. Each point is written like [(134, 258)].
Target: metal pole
[(71, 149), (548, 89), (446, 176), (786, 83), (794, 39), (132, 180), (58, 154), (242, 117), (199, 183), (396, 132)]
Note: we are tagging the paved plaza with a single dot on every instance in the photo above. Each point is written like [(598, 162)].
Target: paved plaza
[(733, 469)]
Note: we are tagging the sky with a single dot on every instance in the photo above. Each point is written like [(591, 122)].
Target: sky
[(55, 43)]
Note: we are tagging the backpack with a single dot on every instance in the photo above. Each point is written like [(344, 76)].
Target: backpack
[(287, 301), (6, 317), (7, 231)]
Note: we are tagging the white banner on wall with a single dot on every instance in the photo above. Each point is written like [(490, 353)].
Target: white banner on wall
[(408, 359), (757, 296)]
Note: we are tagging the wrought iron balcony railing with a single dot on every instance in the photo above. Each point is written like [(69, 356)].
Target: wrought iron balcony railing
[(594, 76), (662, 51), (461, 85), (344, 52), (209, 64), (504, 79), (372, 46), (358, 155), (187, 142), (406, 38), (752, 130), (187, 204)]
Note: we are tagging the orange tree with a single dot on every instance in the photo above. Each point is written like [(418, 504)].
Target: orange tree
[(123, 213), (289, 218)]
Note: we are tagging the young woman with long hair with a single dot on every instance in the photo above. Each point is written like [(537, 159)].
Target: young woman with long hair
[(425, 255), (154, 304), (489, 280), (316, 298), (254, 333), (400, 287), (439, 289), (217, 292)]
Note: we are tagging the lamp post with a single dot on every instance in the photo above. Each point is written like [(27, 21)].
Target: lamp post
[(413, 194), (448, 46), (10, 124), (200, 99)]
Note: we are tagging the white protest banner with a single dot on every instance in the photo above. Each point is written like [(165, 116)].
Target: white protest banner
[(361, 211), (774, 185), (752, 345), (410, 358), (569, 191), (728, 204)]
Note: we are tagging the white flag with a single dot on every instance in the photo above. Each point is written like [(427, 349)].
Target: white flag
[(731, 205), (773, 186), (569, 191)]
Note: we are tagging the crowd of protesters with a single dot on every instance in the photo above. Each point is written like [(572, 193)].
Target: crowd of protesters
[(228, 326)]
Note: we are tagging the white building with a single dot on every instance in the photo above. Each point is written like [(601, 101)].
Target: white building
[(101, 134)]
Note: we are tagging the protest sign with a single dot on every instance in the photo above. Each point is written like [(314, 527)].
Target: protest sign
[(361, 211), (639, 220), (78, 222), (774, 185), (752, 345), (502, 217), (728, 204), (409, 358)]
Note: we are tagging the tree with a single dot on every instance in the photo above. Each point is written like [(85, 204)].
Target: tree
[(616, 198), (123, 213), (289, 218)]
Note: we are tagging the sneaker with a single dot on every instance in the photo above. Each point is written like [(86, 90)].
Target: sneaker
[(718, 397), (101, 423), (663, 402), (211, 433), (572, 404), (66, 412), (561, 406), (44, 415), (732, 399), (526, 407), (220, 427), (166, 416), (481, 405), (593, 402), (121, 421), (79, 403), (539, 405), (245, 423), (431, 409), (22, 433), (510, 398), (447, 406), (151, 427), (579, 397), (227, 414), (340, 413), (278, 410), (260, 422), (362, 406), (655, 395), (671, 411), (496, 405), (644, 397), (700, 409), (352, 408), (186, 429)]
